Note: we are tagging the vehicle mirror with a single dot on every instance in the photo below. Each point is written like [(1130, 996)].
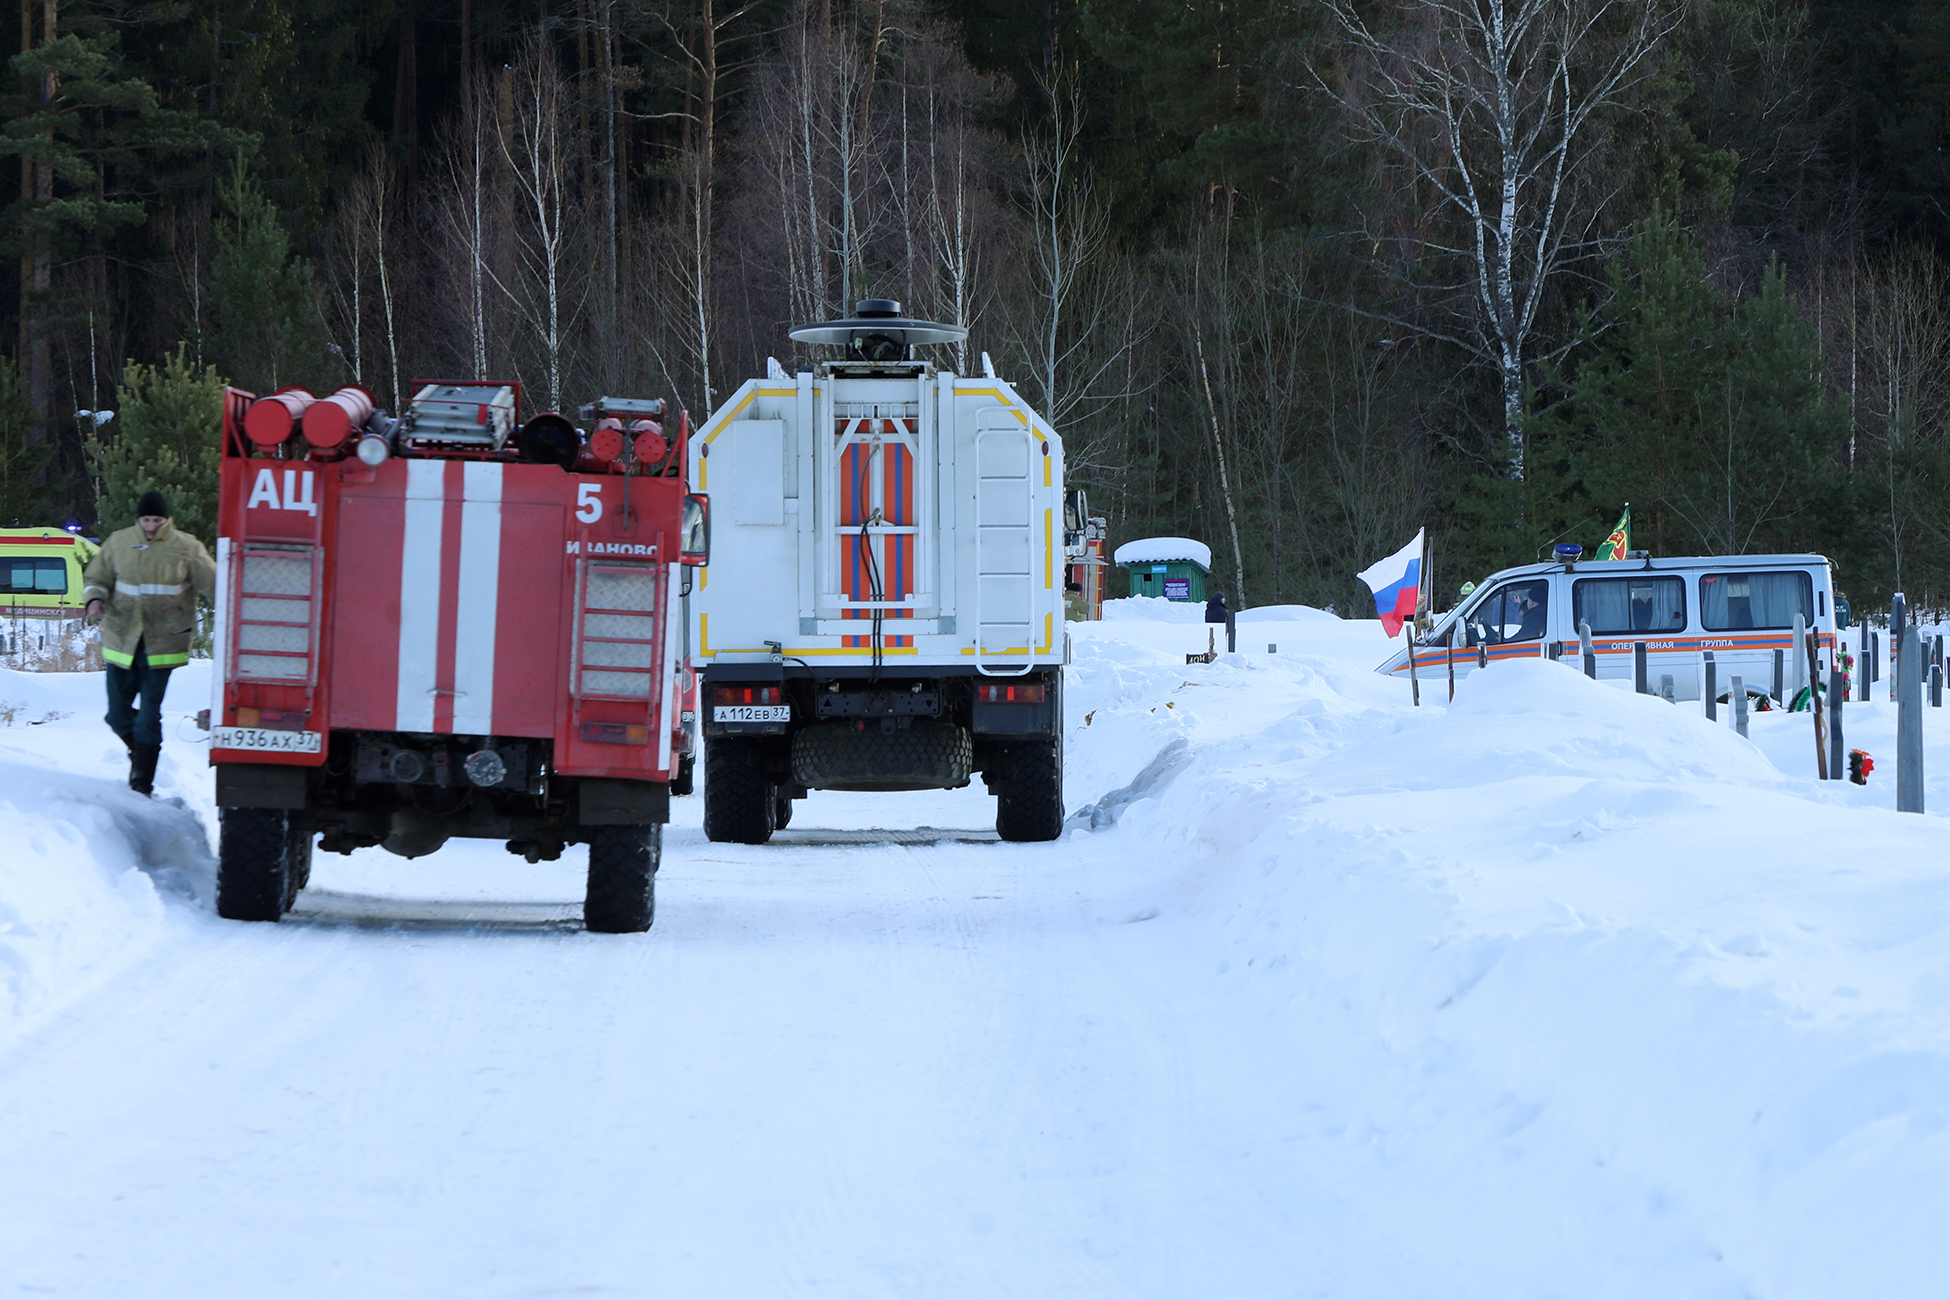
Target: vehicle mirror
[(1075, 510), (696, 546)]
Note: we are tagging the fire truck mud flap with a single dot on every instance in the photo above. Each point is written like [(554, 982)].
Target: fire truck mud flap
[(260, 785), (604, 801), (877, 755)]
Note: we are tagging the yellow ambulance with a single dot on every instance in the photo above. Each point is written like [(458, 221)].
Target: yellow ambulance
[(40, 572)]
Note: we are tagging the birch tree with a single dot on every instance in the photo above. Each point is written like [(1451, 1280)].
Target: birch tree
[(1906, 347), (1494, 114), (1060, 331), (535, 142), (368, 254)]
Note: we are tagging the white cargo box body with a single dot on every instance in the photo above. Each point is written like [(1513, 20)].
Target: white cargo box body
[(929, 499)]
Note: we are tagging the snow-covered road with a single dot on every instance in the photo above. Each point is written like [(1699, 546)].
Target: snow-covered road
[(1556, 991), (891, 1070)]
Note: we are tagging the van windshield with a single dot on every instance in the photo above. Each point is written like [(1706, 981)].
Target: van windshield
[(34, 576), (1635, 604), (1514, 612), (1737, 602)]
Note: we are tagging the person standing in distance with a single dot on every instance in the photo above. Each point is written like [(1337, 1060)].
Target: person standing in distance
[(142, 586)]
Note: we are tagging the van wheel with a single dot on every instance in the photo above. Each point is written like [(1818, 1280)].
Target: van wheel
[(252, 883), (1028, 782), (738, 804), (621, 896)]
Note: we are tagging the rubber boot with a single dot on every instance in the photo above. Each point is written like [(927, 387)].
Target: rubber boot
[(142, 767)]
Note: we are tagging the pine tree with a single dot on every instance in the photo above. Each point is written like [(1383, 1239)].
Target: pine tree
[(167, 435), (1707, 414), (268, 331)]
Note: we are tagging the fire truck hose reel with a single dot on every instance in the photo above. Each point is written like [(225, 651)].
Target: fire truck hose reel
[(270, 419), (606, 443), (330, 421), (648, 440), (549, 439)]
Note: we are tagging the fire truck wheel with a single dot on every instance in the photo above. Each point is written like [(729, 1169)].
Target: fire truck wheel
[(1028, 782), (621, 897), (781, 807), (738, 805), (251, 858), (298, 839)]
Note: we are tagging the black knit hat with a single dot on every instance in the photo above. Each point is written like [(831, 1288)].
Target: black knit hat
[(152, 503)]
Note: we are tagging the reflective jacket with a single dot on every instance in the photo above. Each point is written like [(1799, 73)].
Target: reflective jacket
[(150, 586)]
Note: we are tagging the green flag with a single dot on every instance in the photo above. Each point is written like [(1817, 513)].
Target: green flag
[(1620, 541)]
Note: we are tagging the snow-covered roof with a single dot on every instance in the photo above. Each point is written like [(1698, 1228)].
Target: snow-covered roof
[(1161, 550)]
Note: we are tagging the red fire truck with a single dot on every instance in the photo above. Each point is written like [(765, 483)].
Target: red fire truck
[(449, 623)]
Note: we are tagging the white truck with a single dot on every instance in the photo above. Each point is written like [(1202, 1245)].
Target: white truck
[(883, 609)]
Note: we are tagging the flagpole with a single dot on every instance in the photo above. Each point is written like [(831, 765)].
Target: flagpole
[(1414, 686), (1428, 577)]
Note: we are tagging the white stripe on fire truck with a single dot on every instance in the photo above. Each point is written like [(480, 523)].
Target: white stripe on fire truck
[(668, 694), (419, 594), (476, 593), (220, 632)]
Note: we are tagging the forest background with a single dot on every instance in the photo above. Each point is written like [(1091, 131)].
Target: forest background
[(1293, 277)]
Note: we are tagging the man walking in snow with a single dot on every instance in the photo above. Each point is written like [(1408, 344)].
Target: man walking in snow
[(143, 586)]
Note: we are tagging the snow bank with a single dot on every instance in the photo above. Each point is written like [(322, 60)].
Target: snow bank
[(84, 861), (1560, 990)]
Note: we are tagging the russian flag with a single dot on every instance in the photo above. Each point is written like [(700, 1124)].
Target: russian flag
[(1397, 585)]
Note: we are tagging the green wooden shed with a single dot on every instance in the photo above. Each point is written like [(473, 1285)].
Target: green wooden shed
[(1176, 568)]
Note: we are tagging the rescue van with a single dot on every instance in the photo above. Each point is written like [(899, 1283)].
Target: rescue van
[(449, 624), (1742, 608), (40, 572), (884, 605)]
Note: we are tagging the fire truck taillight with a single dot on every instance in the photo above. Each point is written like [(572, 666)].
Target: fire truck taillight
[(1001, 693), (615, 733), (745, 695)]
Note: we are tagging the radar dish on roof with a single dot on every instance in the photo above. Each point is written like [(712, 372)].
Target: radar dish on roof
[(1163, 550), (878, 317)]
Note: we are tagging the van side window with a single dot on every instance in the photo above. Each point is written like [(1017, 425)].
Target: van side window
[(1645, 604), (34, 576), (1514, 612), (1739, 602)]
